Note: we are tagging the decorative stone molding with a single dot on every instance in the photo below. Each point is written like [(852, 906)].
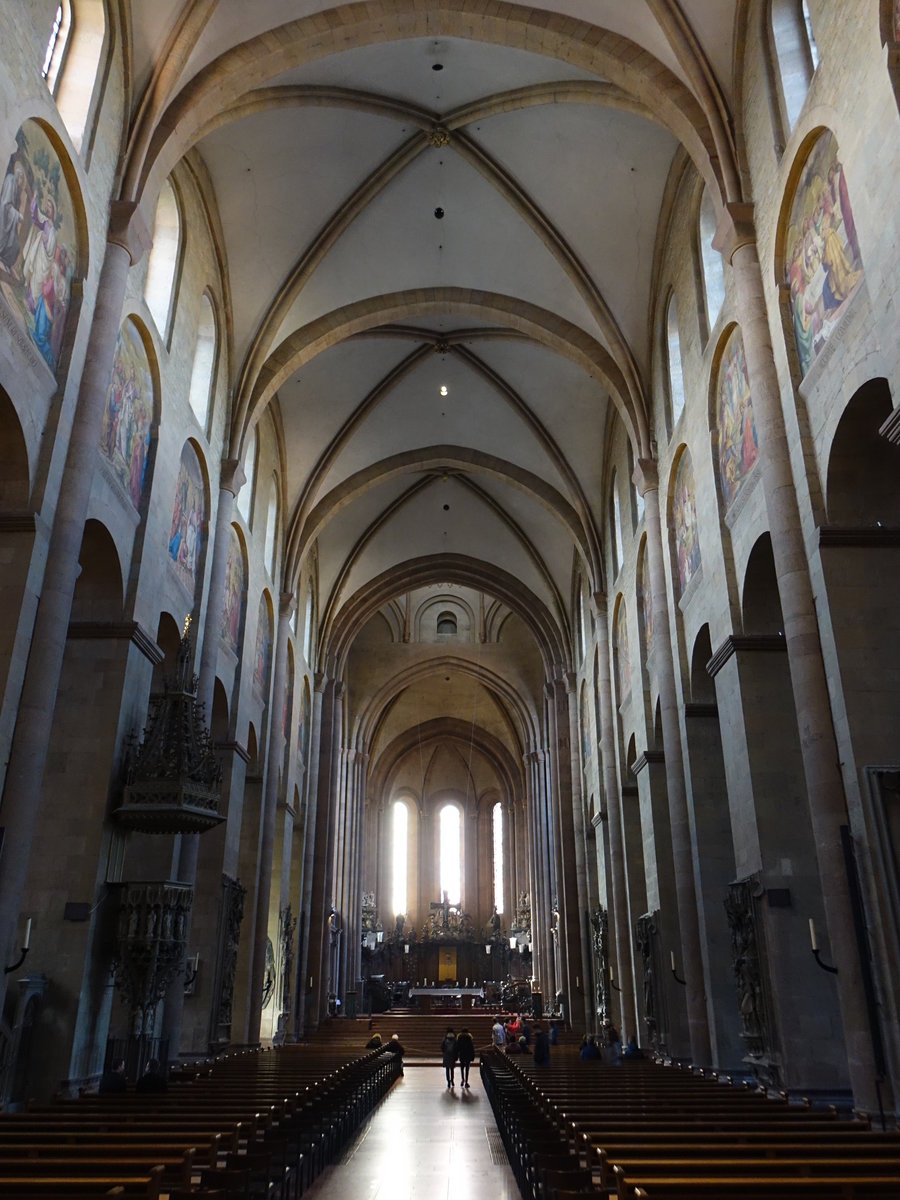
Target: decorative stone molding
[(129, 631), (743, 643), (644, 760), (151, 942), (646, 476), (867, 538), (748, 958)]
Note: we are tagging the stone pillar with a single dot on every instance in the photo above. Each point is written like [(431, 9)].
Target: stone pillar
[(231, 480), (647, 481), (621, 953), (127, 240), (309, 843), (581, 875), (567, 870), (270, 806), (736, 239)]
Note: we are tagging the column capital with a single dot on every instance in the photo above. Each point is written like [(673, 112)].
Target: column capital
[(286, 604), (736, 228), (128, 229), (570, 679), (599, 604), (320, 681), (231, 476), (646, 476)]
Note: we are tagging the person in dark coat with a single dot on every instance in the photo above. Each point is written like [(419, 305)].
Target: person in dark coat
[(541, 1046), (448, 1057), (465, 1052), (152, 1079), (589, 1051)]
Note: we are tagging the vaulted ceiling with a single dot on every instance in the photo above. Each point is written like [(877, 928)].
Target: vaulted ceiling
[(439, 222)]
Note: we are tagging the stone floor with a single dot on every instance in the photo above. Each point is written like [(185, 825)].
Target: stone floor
[(424, 1143)]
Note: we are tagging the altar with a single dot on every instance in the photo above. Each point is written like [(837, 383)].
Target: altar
[(425, 996)]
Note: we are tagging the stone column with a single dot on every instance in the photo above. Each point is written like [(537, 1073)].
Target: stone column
[(127, 240), (567, 870), (231, 480), (647, 481), (309, 844), (581, 874), (621, 954), (736, 239), (270, 807)]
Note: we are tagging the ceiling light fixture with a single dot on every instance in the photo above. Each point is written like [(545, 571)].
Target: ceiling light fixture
[(443, 389)]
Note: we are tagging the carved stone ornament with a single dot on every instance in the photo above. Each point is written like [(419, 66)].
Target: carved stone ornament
[(747, 957), (645, 932), (287, 924), (439, 137), (150, 944), (173, 779), (232, 914), (600, 944)]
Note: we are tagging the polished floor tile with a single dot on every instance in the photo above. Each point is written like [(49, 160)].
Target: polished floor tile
[(424, 1143)]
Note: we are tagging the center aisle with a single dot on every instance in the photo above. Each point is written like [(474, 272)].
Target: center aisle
[(424, 1143)]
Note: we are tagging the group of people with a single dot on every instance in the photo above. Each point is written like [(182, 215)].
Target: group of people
[(152, 1081), (457, 1048), (516, 1036), (608, 1047)]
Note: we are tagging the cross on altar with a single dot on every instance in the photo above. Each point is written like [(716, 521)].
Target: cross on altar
[(444, 906)]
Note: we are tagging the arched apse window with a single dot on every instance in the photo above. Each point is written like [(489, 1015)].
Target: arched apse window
[(204, 362), (673, 358), (163, 262), (713, 268), (245, 495), (450, 859), (272, 529), (399, 855), (796, 54), (616, 525), (446, 625), (497, 829)]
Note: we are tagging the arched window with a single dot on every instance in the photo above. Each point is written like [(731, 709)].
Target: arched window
[(71, 64), (450, 858), (245, 495), (204, 362), (637, 514), (497, 828), (272, 529), (796, 53), (673, 348), (713, 269), (399, 855), (307, 626), (161, 267), (56, 44), (446, 625), (618, 545)]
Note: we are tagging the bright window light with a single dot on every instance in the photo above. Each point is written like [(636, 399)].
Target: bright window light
[(451, 875), (400, 820), (498, 857)]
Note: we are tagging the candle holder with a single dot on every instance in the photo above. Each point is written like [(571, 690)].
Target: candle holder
[(18, 963)]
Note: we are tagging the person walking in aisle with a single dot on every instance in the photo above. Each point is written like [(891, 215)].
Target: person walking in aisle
[(465, 1052), (448, 1056)]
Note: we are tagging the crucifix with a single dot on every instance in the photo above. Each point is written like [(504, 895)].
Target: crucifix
[(444, 906)]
